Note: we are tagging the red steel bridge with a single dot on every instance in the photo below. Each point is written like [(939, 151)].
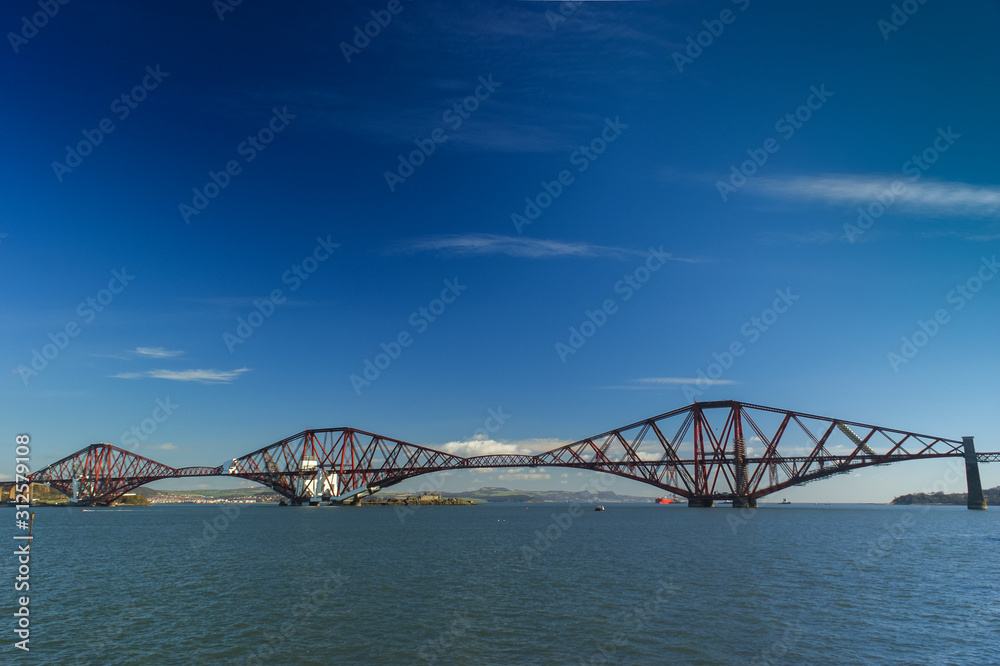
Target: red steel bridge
[(705, 452)]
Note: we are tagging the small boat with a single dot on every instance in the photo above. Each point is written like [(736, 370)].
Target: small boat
[(784, 501), (599, 507), (665, 500)]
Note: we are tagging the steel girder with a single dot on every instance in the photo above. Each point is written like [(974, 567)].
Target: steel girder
[(727, 450), (705, 451), (102, 473), (339, 462)]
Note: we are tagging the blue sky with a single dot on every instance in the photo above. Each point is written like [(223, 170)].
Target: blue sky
[(533, 164)]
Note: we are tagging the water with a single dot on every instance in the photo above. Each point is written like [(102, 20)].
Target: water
[(545, 584)]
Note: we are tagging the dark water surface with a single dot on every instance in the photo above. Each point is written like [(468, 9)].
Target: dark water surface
[(546, 584)]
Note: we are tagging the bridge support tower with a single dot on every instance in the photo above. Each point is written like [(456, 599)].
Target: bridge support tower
[(977, 501)]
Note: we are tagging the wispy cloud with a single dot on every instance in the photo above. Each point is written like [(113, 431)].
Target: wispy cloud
[(156, 352), (522, 475), (201, 376), (166, 446), (512, 246), (926, 197), (485, 447), (685, 380), (647, 383)]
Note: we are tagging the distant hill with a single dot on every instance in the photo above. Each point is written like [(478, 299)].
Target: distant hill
[(992, 497), (40, 493), (494, 494), (214, 494)]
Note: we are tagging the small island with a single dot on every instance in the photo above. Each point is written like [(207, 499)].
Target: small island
[(992, 497), (425, 499)]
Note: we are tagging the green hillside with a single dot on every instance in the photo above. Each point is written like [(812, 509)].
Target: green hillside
[(992, 498)]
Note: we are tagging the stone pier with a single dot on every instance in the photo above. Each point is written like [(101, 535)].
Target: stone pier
[(977, 501)]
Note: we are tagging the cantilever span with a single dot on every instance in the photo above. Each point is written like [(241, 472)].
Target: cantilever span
[(704, 452)]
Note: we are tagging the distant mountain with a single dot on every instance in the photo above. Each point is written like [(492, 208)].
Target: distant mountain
[(992, 497), (494, 494), (214, 494)]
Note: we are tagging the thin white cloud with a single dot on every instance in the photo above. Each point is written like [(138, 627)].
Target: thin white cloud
[(512, 246), (925, 197), (685, 380), (201, 376), (486, 447), (524, 476), (156, 352), (166, 446), (652, 383)]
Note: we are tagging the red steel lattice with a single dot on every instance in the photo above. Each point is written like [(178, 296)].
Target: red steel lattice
[(707, 451)]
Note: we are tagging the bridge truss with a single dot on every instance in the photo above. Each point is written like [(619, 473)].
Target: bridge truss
[(705, 452)]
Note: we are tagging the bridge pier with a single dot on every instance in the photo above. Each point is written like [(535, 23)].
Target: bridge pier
[(977, 501), (744, 503), (700, 503)]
